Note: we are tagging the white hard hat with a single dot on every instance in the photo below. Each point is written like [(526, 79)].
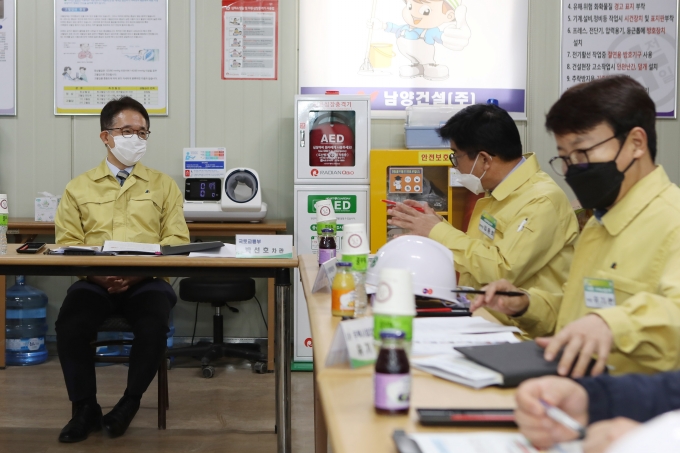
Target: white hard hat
[(430, 263)]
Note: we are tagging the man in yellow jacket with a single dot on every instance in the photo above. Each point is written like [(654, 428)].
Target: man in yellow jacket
[(621, 301), (523, 230), (120, 200)]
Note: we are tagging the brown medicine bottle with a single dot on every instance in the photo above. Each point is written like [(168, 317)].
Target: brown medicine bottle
[(392, 381)]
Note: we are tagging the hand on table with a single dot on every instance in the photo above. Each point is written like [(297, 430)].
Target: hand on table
[(419, 223), (503, 304), (581, 340), (542, 431), (602, 434), (115, 284)]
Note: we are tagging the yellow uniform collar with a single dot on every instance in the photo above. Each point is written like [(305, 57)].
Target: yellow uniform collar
[(102, 171), (635, 201), (517, 177)]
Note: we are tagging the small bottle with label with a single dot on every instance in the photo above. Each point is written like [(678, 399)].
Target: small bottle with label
[(342, 292), (327, 247), (392, 381)]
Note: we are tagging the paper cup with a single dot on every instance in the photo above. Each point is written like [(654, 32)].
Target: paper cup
[(324, 210), (394, 295), (325, 216), (354, 240), (4, 213)]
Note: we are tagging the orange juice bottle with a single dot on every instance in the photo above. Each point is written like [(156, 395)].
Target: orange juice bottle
[(342, 291)]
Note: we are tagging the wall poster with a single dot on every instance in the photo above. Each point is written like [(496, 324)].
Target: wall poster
[(415, 52), (105, 49), (250, 43), (8, 71), (639, 39)]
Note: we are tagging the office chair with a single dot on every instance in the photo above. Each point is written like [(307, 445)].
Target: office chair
[(117, 323), (219, 291)]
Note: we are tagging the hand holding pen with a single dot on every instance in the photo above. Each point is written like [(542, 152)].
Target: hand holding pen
[(551, 410), (411, 215), (502, 297)]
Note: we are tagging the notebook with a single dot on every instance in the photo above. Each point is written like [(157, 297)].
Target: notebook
[(514, 362), (138, 248)]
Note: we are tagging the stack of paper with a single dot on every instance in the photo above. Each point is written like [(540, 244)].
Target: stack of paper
[(436, 338), (458, 369), (440, 335), (488, 442)]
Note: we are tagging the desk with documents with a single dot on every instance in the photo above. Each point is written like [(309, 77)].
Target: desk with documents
[(171, 266), (343, 398), (24, 229)]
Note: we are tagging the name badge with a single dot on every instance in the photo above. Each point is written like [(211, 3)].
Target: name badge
[(599, 293), (487, 225)]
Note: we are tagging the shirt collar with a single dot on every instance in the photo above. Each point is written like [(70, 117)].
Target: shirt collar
[(115, 170), (524, 170), (104, 170), (635, 201)]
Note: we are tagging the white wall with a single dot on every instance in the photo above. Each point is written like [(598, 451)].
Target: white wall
[(252, 119)]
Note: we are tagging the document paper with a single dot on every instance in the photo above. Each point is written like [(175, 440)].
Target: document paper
[(488, 442)]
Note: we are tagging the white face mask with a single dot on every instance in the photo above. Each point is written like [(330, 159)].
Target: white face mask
[(128, 150), (470, 181)]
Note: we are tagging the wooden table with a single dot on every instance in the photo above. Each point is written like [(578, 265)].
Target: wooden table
[(171, 266), (343, 398), (25, 229)]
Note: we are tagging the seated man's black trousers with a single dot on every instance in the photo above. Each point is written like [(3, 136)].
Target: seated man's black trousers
[(146, 306)]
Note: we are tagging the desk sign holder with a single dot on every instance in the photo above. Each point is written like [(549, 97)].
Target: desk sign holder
[(353, 343), (264, 246), (325, 276)]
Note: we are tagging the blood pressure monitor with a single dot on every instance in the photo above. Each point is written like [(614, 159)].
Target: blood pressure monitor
[(203, 189), (236, 197)]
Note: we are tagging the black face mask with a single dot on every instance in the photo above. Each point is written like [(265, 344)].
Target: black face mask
[(596, 185)]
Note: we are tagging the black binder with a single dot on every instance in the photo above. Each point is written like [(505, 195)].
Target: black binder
[(191, 247), (516, 362)]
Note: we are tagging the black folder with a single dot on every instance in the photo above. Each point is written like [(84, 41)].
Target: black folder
[(191, 247), (516, 362)]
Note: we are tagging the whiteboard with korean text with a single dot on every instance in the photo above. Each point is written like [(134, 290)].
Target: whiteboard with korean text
[(106, 49), (404, 53), (638, 39)]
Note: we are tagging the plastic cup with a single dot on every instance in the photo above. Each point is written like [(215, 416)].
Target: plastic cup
[(394, 304)]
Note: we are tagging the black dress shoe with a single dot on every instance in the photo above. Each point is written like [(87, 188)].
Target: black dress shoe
[(88, 418), (117, 421)]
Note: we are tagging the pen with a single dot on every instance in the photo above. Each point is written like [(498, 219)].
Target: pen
[(393, 203), (562, 418), (498, 293), (521, 225)]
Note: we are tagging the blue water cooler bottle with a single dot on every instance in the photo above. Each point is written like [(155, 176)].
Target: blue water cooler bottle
[(26, 324)]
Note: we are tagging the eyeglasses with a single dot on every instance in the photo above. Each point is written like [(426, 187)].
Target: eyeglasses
[(453, 159), (128, 132), (579, 157)]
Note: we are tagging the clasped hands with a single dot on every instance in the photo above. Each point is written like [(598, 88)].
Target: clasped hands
[(115, 283), (581, 339)]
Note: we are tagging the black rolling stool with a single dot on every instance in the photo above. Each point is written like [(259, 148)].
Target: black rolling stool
[(219, 291)]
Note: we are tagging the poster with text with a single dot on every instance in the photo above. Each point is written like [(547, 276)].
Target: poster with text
[(106, 49), (8, 70), (250, 31), (416, 52), (638, 39)]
